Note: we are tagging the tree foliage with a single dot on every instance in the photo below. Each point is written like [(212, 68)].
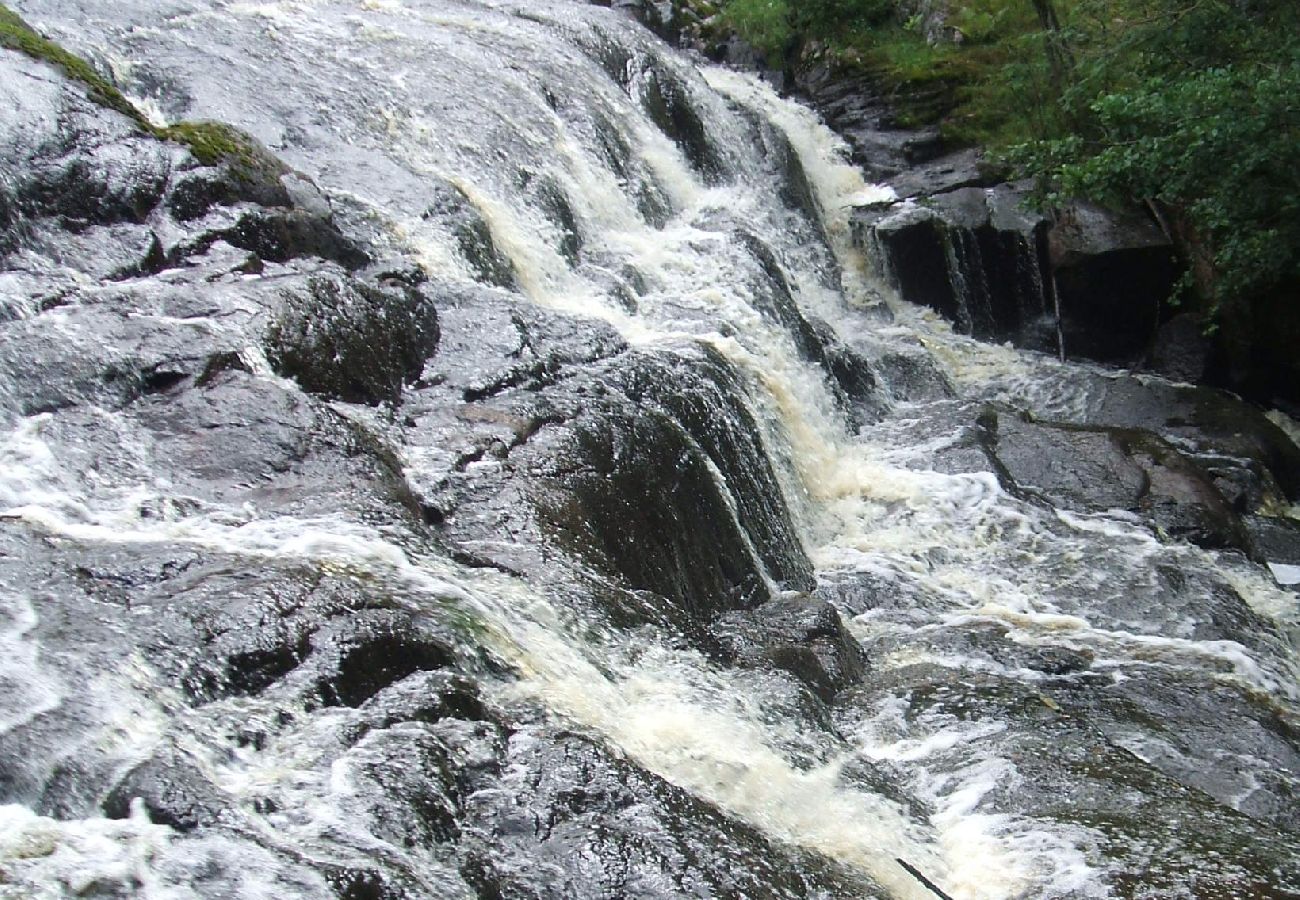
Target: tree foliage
[(1191, 107)]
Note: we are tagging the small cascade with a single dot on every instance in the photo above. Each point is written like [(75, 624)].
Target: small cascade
[(568, 509)]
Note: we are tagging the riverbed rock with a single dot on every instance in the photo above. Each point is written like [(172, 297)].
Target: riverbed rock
[(327, 337), (1098, 469), (569, 819), (972, 254), (797, 634), (1246, 452), (94, 193), (1113, 273), (173, 791)]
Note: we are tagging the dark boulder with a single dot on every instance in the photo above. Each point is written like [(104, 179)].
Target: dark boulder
[(173, 790), (703, 394), (1240, 444), (1094, 280), (567, 818), (670, 104), (632, 493), (796, 634), (1181, 350), (971, 254), (351, 340), (1114, 272)]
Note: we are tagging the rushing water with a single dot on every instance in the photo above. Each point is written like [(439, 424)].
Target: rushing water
[(1011, 646)]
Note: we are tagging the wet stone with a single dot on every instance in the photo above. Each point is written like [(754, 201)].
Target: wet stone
[(632, 492), (326, 338), (570, 819), (797, 634), (1099, 469), (173, 792)]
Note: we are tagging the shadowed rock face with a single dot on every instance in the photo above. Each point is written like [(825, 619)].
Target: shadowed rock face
[(1001, 272)]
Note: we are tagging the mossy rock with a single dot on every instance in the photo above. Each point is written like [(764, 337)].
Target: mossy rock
[(212, 143), (217, 144), (15, 34)]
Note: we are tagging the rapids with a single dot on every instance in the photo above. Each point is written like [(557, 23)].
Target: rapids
[(1050, 699)]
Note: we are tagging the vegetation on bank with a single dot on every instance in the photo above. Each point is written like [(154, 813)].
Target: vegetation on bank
[(212, 143), (1190, 107)]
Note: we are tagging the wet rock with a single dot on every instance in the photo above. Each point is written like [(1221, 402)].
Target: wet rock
[(1085, 468), (234, 167), (1083, 754), (567, 818), (111, 345), (454, 211), (408, 776), (859, 107), (1236, 438), (797, 634), (1276, 541), (493, 343), (701, 391), (173, 790), (852, 377), (308, 459), (372, 650), (971, 254), (1113, 273), (668, 102), (963, 169), (354, 341), (429, 697), (657, 15), (1000, 272), (633, 494), (96, 193), (1181, 351)]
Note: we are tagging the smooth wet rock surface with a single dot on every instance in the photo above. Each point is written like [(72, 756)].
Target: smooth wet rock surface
[(499, 496)]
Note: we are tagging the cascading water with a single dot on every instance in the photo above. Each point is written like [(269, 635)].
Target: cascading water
[(653, 322)]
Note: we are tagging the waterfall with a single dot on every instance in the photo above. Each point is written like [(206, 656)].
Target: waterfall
[(692, 562)]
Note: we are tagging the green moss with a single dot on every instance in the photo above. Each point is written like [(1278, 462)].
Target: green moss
[(15, 34), (212, 143), (216, 143)]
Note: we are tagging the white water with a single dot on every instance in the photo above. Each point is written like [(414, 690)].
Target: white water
[(864, 503)]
